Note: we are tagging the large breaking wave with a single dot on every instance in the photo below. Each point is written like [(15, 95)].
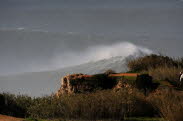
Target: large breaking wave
[(100, 52)]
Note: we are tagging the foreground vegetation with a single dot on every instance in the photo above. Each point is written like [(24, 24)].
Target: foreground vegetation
[(148, 96), (101, 105)]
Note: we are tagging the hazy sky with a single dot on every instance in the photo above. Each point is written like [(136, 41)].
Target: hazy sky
[(40, 35)]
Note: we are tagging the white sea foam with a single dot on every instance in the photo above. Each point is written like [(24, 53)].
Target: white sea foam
[(100, 52)]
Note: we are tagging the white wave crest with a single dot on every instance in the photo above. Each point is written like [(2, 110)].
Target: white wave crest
[(100, 52)]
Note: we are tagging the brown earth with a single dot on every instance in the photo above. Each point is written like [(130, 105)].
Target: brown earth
[(9, 118)]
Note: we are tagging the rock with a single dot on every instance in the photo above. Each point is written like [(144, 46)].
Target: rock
[(81, 83), (73, 84), (121, 84)]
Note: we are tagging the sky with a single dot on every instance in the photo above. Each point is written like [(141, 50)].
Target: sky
[(37, 35)]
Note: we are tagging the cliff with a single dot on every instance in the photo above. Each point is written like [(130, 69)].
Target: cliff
[(79, 83), (74, 84)]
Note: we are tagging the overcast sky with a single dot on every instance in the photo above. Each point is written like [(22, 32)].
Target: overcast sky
[(38, 35)]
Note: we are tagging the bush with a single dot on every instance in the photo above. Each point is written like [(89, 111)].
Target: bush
[(161, 68), (14, 105), (144, 82), (165, 73), (169, 103), (153, 61), (45, 107), (105, 104)]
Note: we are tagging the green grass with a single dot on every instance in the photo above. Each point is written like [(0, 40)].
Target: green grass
[(130, 78)]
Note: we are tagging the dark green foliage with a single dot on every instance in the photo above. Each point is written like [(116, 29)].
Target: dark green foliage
[(97, 81), (103, 81), (144, 82), (2, 100), (77, 81), (45, 107), (14, 105)]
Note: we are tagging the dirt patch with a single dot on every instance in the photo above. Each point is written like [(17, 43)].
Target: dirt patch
[(9, 118)]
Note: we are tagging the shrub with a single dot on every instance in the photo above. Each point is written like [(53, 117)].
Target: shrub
[(14, 105), (169, 103), (152, 61), (105, 104), (165, 73), (144, 82), (44, 107)]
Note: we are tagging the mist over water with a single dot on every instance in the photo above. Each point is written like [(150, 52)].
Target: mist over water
[(39, 35), (97, 53), (123, 49), (61, 59)]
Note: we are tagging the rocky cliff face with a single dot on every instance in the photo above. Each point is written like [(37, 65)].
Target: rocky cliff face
[(79, 83), (73, 84)]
